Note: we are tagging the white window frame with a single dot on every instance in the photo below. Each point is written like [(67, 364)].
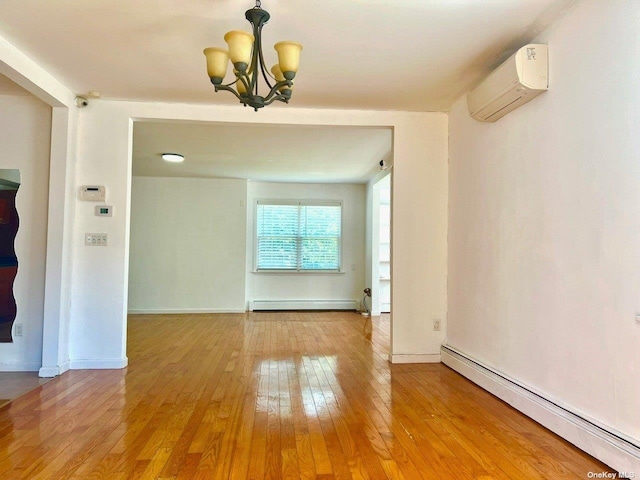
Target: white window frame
[(303, 203)]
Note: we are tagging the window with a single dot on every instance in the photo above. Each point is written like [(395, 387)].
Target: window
[(298, 236)]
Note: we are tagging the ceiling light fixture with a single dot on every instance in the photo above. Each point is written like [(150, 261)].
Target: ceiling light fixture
[(245, 52), (173, 157)]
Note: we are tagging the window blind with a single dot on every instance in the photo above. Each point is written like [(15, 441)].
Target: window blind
[(298, 236)]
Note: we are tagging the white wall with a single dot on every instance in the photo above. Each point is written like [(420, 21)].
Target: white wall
[(62, 161), (544, 224), (188, 242), (347, 285), (100, 279), (60, 261), (419, 189), (25, 129)]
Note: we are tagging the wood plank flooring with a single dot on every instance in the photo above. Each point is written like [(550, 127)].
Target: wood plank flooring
[(14, 384), (273, 396)]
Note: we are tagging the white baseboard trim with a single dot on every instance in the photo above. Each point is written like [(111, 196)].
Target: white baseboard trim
[(64, 367), (99, 364), (604, 443), (19, 367), (303, 305), (415, 358), (169, 311), (49, 372)]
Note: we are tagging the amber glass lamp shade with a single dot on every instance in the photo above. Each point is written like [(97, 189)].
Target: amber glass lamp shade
[(217, 62), (240, 47), (288, 57), (279, 76)]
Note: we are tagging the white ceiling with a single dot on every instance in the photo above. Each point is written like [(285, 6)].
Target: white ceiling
[(263, 153), (414, 55)]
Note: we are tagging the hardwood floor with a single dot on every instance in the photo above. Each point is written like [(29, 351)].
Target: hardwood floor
[(14, 384), (273, 396)]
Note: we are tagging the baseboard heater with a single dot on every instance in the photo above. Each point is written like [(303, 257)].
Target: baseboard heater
[(258, 305), (607, 445)]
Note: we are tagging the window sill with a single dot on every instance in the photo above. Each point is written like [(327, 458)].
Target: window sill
[(299, 272)]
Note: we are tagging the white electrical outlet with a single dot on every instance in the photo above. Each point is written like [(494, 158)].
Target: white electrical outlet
[(17, 331), (436, 325), (638, 317)]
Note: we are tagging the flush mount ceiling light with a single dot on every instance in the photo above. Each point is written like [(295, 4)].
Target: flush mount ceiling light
[(173, 157), (245, 53)]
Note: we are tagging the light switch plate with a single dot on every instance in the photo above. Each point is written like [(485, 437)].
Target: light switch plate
[(95, 239)]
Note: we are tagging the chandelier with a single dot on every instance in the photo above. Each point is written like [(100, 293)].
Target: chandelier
[(245, 53)]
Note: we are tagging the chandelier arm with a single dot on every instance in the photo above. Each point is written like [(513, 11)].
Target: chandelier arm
[(229, 89), (279, 97), (257, 45), (261, 62), (265, 75), (229, 84), (275, 88), (258, 17), (255, 18), (247, 84)]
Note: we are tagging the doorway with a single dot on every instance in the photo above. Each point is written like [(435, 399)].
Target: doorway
[(379, 243), (9, 185), (25, 133), (384, 257), (225, 174)]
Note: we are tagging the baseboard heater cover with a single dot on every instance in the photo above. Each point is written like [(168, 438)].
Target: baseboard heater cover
[(303, 305), (179, 311), (612, 448)]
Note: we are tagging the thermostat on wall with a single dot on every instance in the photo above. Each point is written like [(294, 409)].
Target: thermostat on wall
[(104, 210), (92, 193)]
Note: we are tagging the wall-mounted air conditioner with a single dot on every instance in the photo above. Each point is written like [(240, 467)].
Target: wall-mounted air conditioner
[(523, 76)]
